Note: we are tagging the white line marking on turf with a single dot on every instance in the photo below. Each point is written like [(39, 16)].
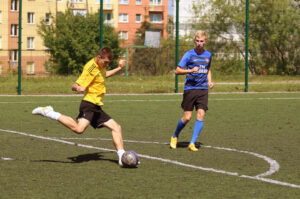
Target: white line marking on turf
[(274, 165), (147, 94), (3, 158), (160, 159), (156, 100)]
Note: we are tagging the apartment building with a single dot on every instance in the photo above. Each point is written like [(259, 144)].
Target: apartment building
[(34, 54), (125, 16), (133, 12)]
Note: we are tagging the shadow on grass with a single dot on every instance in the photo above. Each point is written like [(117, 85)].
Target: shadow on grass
[(186, 144), (82, 158)]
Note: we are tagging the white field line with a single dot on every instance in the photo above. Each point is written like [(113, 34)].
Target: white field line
[(158, 100), (160, 159), (274, 166), (151, 94), (3, 158)]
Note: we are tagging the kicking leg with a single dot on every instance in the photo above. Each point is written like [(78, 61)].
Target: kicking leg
[(63, 119), (77, 127)]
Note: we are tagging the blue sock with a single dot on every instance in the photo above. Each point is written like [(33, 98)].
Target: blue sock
[(197, 129), (179, 127)]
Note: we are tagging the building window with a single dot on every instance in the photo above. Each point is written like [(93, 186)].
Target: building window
[(108, 19), (123, 35), (30, 17), (156, 18), (107, 16), (79, 12), (123, 18), (123, 2), (155, 2), (138, 2), (14, 30), (59, 1), (30, 42), (138, 18), (104, 2), (77, 1), (48, 17), (14, 5), (30, 68), (14, 55)]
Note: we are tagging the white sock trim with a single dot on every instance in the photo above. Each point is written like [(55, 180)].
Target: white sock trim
[(54, 115), (120, 153)]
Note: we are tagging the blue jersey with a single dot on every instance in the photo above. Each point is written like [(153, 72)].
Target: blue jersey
[(191, 59)]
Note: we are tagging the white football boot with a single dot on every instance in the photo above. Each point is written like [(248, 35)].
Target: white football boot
[(42, 110)]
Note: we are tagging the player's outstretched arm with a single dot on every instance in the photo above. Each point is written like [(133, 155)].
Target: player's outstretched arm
[(182, 71), (113, 71), (76, 87)]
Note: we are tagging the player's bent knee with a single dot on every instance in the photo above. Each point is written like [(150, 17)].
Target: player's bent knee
[(79, 130)]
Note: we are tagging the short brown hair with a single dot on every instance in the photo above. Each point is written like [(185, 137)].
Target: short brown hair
[(106, 52)]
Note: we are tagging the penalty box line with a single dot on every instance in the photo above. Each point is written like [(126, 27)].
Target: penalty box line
[(157, 158)]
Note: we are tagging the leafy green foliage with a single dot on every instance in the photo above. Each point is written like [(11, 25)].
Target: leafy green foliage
[(273, 35), (73, 40), (157, 61)]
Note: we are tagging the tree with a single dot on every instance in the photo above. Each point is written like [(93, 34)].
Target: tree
[(73, 40), (274, 32)]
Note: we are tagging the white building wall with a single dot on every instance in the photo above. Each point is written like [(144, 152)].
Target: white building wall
[(186, 16)]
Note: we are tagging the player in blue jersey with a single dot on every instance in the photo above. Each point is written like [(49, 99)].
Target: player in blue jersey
[(195, 64)]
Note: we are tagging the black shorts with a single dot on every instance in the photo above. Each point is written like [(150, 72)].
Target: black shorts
[(93, 113), (195, 98)]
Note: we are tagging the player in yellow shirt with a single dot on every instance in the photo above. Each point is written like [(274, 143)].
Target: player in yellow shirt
[(92, 83)]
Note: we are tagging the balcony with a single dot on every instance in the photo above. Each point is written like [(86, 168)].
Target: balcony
[(109, 22), (156, 8), (107, 6), (84, 6), (158, 26)]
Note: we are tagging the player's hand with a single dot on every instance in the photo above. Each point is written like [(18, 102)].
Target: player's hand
[(80, 89), (195, 69), (211, 85), (76, 87), (122, 63)]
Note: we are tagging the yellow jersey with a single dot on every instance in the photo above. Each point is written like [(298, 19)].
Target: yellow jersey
[(92, 79)]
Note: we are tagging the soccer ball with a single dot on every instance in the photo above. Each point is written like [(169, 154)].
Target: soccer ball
[(130, 159)]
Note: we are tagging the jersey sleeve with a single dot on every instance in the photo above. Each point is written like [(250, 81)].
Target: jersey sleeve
[(210, 58), (184, 60), (87, 76)]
